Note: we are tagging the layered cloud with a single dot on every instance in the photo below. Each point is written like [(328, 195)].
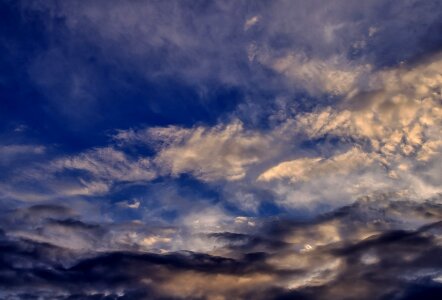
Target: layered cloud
[(347, 252)]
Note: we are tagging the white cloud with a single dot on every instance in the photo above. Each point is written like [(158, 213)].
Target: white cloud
[(221, 152), (395, 129), (401, 118), (134, 204), (251, 22), (98, 170), (389, 139), (152, 240), (334, 75), (83, 188), (107, 164), (391, 126), (305, 169)]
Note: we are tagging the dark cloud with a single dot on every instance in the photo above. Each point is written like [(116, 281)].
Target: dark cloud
[(392, 264)]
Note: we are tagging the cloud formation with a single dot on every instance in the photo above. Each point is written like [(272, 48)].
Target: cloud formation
[(387, 138), (319, 259), (220, 150)]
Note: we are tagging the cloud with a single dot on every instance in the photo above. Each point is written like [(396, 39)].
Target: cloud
[(93, 172), (89, 173), (108, 164), (306, 169), (251, 22), (203, 44), (387, 135), (404, 102), (237, 124), (386, 139), (330, 268), (21, 149), (335, 76), (221, 152), (392, 134), (10, 154)]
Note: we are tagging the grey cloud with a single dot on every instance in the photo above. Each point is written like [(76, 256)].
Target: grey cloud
[(269, 263)]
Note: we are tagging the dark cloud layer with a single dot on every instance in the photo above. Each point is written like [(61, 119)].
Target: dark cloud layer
[(389, 264)]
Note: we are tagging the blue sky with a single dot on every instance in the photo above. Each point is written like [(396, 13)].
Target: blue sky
[(265, 145)]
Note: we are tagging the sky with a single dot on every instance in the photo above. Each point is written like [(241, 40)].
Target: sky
[(221, 149)]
